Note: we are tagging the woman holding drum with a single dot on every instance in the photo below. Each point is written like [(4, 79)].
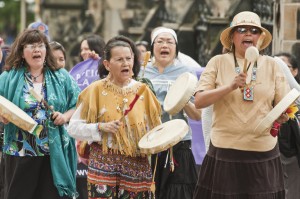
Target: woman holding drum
[(240, 163), (38, 165), (163, 72), (113, 114)]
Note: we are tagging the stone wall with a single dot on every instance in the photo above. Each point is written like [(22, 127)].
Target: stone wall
[(286, 32)]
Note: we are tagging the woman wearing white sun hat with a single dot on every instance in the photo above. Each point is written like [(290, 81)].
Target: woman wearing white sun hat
[(239, 163)]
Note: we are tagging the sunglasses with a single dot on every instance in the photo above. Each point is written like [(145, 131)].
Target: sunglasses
[(252, 30)]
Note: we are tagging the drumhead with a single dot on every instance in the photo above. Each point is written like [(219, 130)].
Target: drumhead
[(16, 115), (180, 93), (270, 118), (163, 136)]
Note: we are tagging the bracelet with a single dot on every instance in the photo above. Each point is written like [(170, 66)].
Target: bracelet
[(275, 129)]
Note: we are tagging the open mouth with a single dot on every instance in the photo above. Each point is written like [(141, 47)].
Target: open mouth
[(37, 57), (248, 43), (164, 53), (125, 71)]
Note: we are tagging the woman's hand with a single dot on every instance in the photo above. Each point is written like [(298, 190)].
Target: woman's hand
[(239, 81), (282, 118), (93, 55), (110, 127), (58, 118), (3, 120)]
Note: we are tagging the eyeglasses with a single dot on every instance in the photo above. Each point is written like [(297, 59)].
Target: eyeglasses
[(161, 42), (36, 46), (252, 30)]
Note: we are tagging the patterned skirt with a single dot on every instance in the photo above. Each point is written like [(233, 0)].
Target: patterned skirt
[(236, 174), (118, 176)]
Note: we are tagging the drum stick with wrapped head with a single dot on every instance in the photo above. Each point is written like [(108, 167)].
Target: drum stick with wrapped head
[(137, 95), (260, 40), (252, 53), (40, 98), (146, 60)]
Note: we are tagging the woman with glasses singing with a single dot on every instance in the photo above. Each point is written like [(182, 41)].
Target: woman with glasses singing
[(38, 165), (163, 72), (240, 163)]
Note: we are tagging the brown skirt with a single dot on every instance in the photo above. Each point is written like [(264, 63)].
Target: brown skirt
[(236, 174)]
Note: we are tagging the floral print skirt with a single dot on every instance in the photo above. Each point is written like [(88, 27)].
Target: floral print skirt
[(118, 176)]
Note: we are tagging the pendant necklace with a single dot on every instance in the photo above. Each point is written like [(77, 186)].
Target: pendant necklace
[(35, 77), (248, 90)]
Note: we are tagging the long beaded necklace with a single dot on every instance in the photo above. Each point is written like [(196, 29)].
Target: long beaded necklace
[(248, 90)]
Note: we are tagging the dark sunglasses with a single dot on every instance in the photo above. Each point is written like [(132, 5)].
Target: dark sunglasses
[(252, 30)]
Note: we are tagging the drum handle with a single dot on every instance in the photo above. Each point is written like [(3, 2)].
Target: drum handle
[(166, 160), (152, 188), (172, 168)]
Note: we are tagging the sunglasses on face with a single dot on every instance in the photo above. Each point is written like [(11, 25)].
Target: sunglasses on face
[(252, 30)]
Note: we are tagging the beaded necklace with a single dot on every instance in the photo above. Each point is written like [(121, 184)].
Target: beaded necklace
[(248, 90)]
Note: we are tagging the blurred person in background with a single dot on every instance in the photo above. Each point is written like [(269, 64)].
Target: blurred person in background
[(292, 63), (91, 47), (41, 27), (289, 135), (59, 53), (91, 51), (142, 46)]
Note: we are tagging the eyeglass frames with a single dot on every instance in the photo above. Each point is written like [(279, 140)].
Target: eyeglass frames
[(40, 46)]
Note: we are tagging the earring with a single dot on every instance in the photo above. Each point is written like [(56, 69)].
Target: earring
[(108, 76), (44, 63), (230, 47), (22, 62)]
